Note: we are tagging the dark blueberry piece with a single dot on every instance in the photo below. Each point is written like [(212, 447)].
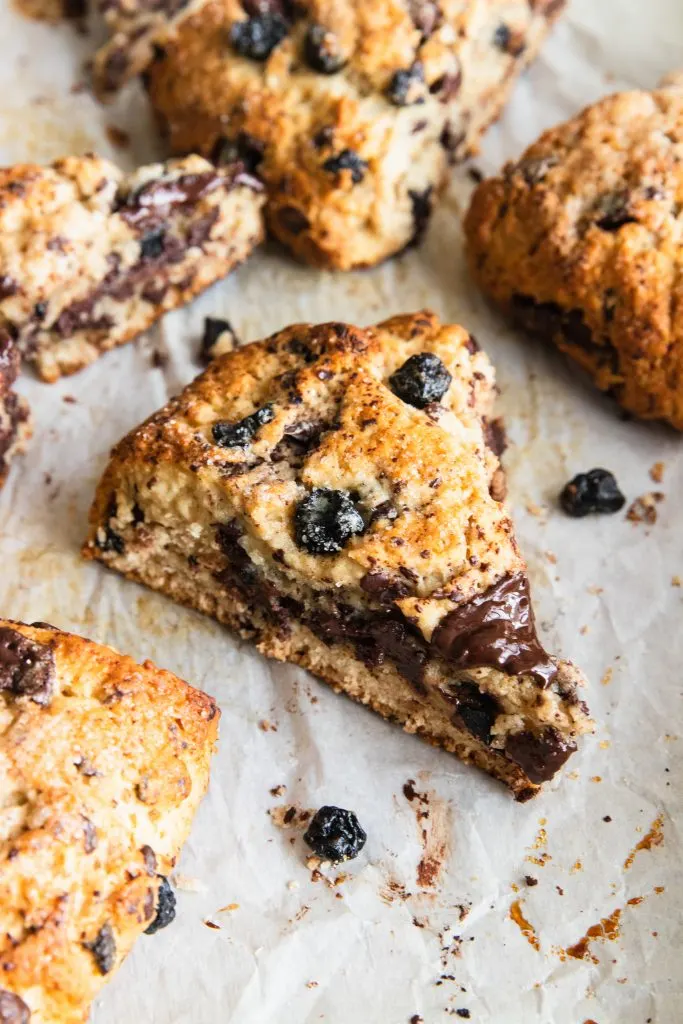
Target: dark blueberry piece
[(257, 37), (103, 948), (325, 520), (590, 493), (214, 329), (13, 1010), (335, 834), (614, 211), (422, 379), (113, 541), (477, 710), (152, 244), (321, 50), (237, 435), (27, 668), (501, 37), (347, 160), (165, 908), (407, 86), (422, 203), (39, 310)]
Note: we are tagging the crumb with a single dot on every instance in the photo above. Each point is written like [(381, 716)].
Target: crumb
[(289, 816), (266, 726), (159, 359), (594, 590), (657, 472), (228, 908), (416, 1019), (644, 508), (551, 557), (69, 399), (560, 890), (278, 790), (530, 880), (476, 175), (292, 886), (187, 883), (212, 924), (596, 778), (607, 818), (311, 984), (463, 1013), (607, 676), (676, 581), (117, 136), (535, 510), (584, 630)]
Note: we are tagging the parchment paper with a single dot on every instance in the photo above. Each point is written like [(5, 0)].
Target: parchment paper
[(420, 927)]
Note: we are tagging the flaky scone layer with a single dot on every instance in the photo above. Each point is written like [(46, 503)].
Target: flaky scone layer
[(581, 241), (103, 763), (350, 110), (433, 558), (91, 257)]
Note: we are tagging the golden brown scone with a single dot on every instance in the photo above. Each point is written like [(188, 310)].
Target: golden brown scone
[(330, 494), (350, 110), (90, 257), (103, 763), (580, 242), (15, 421)]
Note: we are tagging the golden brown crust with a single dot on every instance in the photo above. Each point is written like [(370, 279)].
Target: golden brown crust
[(100, 776), (182, 511), (580, 240), (353, 160)]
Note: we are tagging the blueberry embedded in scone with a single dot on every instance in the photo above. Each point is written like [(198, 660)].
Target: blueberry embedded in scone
[(351, 112), (15, 420), (103, 763), (91, 257), (579, 242), (334, 494)]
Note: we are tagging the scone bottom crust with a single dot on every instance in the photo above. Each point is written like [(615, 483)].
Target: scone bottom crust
[(334, 495)]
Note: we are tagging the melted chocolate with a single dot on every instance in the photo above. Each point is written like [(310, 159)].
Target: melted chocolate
[(27, 668), (540, 756), (496, 628)]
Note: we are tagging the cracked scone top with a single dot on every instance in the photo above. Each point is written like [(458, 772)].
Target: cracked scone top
[(350, 110), (581, 241), (329, 493), (103, 763), (90, 256)]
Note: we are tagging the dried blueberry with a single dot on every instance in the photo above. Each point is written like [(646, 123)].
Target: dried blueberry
[(590, 493), (218, 337), (165, 908), (335, 834), (325, 520), (152, 244), (257, 37), (237, 435), (321, 50), (103, 948), (422, 203), (27, 668), (501, 37), (347, 160), (407, 86), (13, 1010), (112, 541), (422, 379), (614, 211)]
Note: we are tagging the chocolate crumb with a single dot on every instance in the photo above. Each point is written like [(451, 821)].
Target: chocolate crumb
[(530, 880)]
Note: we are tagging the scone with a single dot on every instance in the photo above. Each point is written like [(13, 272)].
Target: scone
[(327, 493), (15, 423), (580, 242), (349, 110), (90, 257), (103, 763)]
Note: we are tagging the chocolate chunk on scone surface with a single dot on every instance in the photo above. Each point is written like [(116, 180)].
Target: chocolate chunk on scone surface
[(15, 422), (350, 110), (302, 492), (103, 763), (91, 257), (579, 242)]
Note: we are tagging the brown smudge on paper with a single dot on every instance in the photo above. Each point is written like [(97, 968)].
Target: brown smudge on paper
[(606, 928), (433, 823), (654, 837), (525, 927), (393, 890)]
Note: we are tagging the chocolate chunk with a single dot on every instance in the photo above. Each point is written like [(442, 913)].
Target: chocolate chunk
[(591, 493), (325, 520), (394, 639), (335, 834), (257, 37), (13, 1010), (422, 204), (385, 587), (103, 949), (496, 628), (407, 86), (292, 219), (495, 436), (614, 211), (219, 337), (166, 905), (322, 51), (27, 668), (156, 198), (539, 756), (8, 286), (238, 435), (245, 148), (347, 160), (152, 244), (548, 320), (478, 711), (421, 380), (385, 510)]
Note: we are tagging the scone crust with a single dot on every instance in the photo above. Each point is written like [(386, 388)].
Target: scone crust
[(580, 240), (351, 173), (100, 779), (213, 525), (15, 419)]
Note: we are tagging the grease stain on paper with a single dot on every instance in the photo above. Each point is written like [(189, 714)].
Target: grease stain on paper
[(526, 928), (654, 837), (433, 817)]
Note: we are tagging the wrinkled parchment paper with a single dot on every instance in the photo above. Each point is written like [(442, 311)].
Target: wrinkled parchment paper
[(434, 921)]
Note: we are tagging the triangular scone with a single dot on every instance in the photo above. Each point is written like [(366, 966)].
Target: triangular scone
[(327, 493), (103, 763)]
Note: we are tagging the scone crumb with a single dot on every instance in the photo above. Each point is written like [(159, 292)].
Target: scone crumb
[(187, 883), (657, 472), (607, 676), (644, 508), (278, 790), (289, 816), (228, 908), (676, 581), (267, 726)]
